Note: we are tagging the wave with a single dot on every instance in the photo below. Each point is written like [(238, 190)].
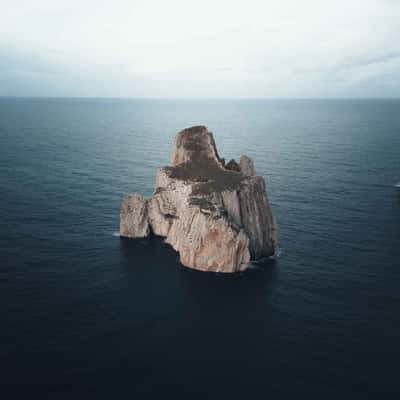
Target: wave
[(258, 264), (277, 254)]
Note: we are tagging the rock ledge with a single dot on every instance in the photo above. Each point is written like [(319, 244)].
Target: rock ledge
[(216, 216)]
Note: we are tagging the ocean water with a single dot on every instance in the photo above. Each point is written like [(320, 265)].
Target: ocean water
[(87, 314)]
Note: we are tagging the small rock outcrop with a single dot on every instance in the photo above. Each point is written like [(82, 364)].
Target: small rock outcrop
[(216, 216), (133, 217)]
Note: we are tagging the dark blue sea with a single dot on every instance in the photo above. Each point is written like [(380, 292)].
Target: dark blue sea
[(86, 314)]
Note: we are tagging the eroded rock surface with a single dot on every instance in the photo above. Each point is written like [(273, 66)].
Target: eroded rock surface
[(133, 217), (217, 217)]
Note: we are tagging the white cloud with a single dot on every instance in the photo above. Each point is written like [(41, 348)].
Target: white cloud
[(210, 48)]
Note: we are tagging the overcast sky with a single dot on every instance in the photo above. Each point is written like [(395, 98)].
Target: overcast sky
[(202, 48)]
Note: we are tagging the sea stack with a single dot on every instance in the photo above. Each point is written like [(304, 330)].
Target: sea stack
[(216, 215)]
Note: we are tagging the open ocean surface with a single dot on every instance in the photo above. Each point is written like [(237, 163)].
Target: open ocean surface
[(86, 314)]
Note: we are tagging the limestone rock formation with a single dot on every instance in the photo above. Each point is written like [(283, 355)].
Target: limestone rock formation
[(133, 217), (246, 165), (217, 217)]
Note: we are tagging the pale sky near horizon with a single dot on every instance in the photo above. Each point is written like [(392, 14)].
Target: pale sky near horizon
[(208, 48)]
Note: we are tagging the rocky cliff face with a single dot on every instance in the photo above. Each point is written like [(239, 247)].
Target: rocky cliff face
[(216, 216)]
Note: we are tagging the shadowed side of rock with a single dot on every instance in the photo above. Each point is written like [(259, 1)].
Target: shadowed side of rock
[(217, 217)]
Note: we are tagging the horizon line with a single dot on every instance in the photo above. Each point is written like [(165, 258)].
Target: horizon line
[(198, 98)]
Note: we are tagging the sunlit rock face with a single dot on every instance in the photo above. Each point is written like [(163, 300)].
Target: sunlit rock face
[(133, 217), (216, 216)]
